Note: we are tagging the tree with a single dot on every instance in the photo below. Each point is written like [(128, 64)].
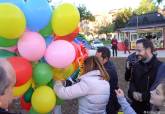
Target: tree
[(146, 6), (122, 18), (106, 29), (85, 14), (159, 2)]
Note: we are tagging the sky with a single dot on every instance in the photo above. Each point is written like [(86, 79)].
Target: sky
[(99, 6)]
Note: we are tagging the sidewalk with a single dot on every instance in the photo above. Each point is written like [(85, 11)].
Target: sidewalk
[(161, 53)]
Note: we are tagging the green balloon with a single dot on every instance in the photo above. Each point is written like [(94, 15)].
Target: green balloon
[(51, 84), (6, 54), (32, 111), (59, 101), (7, 42), (28, 95), (47, 31), (42, 74)]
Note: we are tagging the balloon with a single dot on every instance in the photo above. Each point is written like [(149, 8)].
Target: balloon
[(43, 99), (69, 37), (18, 3), (51, 84), (20, 90), (65, 19), (10, 49), (6, 54), (42, 74), (77, 49), (7, 43), (45, 32), (38, 14), (32, 111), (63, 74), (12, 21), (27, 96), (22, 68), (75, 64), (49, 40), (60, 54), (24, 104), (32, 46), (59, 101)]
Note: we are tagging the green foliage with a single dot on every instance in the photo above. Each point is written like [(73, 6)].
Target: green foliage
[(106, 29), (146, 6), (85, 14), (122, 18)]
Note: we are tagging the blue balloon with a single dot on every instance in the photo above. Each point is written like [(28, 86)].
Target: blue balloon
[(38, 14), (48, 40)]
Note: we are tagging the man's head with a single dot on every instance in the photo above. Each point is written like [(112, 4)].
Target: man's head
[(7, 82), (144, 49), (103, 53)]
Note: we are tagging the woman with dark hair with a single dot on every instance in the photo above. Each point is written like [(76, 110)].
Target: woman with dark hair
[(92, 90)]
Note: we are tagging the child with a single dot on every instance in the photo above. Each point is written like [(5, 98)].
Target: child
[(157, 99)]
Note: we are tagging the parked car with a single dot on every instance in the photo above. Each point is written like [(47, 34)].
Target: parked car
[(97, 43)]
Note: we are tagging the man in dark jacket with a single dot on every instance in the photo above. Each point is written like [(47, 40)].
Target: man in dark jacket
[(7, 82), (103, 54), (144, 75)]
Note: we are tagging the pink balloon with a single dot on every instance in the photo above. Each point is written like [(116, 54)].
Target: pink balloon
[(60, 54), (32, 46)]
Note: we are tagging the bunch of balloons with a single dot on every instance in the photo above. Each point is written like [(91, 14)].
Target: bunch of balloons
[(39, 44)]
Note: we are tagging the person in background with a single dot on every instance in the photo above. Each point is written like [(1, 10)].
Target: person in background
[(92, 90), (7, 82), (103, 53), (157, 100), (126, 46), (114, 46)]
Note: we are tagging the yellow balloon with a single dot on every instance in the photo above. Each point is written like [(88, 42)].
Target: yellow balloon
[(64, 73), (43, 99), (20, 90), (12, 21), (66, 18)]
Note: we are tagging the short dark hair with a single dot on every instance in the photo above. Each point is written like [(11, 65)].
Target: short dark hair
[(146, 43), (105, 52), (4, 81)]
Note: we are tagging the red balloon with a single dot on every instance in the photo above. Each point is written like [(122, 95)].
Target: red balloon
[(24, 104), (77, 49), (84, 51), (22, 68), (69, 37)]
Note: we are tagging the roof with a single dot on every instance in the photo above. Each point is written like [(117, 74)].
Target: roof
[(146, 21)]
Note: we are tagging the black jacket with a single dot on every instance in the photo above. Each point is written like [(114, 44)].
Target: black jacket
[(113, 104), (2, 111), (143, 78)]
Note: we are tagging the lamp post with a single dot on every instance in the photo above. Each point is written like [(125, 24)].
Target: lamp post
[(137, 21)]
